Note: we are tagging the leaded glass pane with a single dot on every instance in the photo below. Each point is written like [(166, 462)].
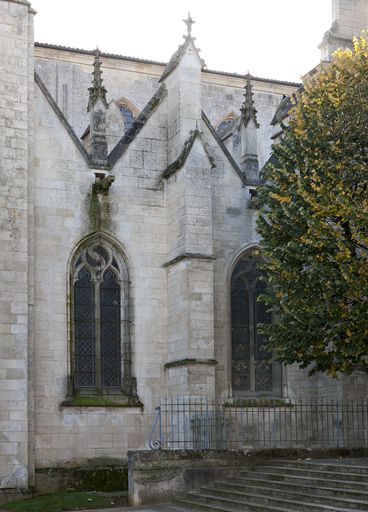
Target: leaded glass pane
[(251, 361), (240, 376), (97, 307), (110, 331), (240, 336), (263, 358), (84, 331), (239, 303)]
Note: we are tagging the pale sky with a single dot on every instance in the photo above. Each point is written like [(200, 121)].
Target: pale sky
[(270, 38)]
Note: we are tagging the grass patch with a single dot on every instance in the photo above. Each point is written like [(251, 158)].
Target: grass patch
[(62, 501)]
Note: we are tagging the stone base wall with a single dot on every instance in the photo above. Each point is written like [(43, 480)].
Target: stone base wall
[(159, 476), (97, 475)]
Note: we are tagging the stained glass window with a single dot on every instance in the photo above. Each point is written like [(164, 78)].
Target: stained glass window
[(222, 126), (99, 284), (128, 116), (84, 330), (252, 368)]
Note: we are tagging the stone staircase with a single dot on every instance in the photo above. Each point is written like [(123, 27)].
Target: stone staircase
[(283, 486)]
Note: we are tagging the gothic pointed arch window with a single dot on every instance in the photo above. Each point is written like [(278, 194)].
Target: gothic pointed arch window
[(100, 319), (252, 368), (129, 111), (226, 125)]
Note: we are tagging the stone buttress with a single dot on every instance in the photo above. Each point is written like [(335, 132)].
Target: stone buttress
[(190, 367)]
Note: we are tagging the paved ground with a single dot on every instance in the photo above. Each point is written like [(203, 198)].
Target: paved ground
[(149, 508)]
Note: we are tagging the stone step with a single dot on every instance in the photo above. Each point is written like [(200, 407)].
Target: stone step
[(323, 465), (190, 504), (269, 496), (239, 483), (199, 502), (258, 502), (310, 472), (286, 486), (319, 481)]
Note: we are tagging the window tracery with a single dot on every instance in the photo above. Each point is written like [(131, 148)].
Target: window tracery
[(252, 368), (100, 320)]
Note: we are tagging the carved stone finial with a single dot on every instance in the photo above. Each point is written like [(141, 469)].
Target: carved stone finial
[(97, 90), (248, 110), (189, 22)]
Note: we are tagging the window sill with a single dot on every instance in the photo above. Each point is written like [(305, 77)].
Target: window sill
[(258, 402), (102, 401)]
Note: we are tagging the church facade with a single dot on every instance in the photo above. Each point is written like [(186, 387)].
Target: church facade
[(129, 256)]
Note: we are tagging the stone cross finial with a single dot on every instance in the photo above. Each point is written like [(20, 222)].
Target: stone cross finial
[(97, 90), (189, 22)]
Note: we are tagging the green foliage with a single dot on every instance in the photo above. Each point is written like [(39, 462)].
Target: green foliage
[(314, 221)]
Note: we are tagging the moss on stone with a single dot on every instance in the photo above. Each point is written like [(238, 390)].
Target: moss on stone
[(99, 203), (102, 479), (110, 476), (94, 210), (102, 401)]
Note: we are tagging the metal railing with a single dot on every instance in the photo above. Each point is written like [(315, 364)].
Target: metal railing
[(199, 423)]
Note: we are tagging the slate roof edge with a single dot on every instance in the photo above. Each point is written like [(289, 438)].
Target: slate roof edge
[(255, 78), (93, 52), (62, 119), (137, 125), (159, 63), (237, 169)]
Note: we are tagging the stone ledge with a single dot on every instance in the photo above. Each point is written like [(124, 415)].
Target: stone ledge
[(190, 362), (102, 401), (188, 256), (258, 403)]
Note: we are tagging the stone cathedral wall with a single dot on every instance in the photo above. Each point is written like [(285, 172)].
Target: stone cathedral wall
[(137, 221), (179, 310)]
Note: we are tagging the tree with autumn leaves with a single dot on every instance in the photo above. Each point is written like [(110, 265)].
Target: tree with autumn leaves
[(314, 221)]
